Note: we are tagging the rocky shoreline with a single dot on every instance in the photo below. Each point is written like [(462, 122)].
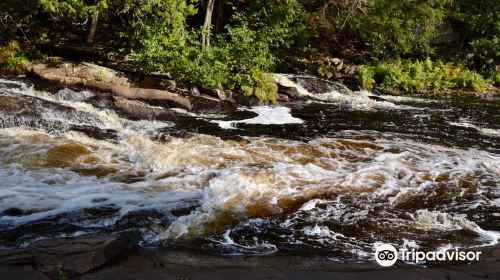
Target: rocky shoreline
[(117, 257)]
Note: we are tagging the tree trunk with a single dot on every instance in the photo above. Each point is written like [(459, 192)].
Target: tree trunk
[(92, 27), (205, 36), (219, 17)]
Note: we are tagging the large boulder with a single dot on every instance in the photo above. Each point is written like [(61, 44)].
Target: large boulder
[(106, 80), (75, 256)]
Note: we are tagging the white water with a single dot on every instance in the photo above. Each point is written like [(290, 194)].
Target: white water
[(358, 100), (266, 115), (250, 180), (466, 123)]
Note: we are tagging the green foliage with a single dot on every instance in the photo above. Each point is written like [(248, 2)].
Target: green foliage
[(366, 76), (420, 76), (391, 28), (493, 78), (251, 38), (259, 84), (72, 9), (481, 18), (12, 60), (235, 60), (62, 276), (280, 23)]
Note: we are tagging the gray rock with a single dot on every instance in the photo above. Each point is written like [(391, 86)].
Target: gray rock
[(20, 273), (291, 92), (76, 256)]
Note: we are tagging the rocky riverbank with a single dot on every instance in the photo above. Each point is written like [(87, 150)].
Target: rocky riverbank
[(116, 257)]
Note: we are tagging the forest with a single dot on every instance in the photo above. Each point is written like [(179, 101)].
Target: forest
[(406, 46)]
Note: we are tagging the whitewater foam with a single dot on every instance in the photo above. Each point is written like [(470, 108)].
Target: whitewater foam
[(266, 115)]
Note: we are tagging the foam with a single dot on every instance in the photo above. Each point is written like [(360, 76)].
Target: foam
[(266, 115), (487, 131), (358, 100)]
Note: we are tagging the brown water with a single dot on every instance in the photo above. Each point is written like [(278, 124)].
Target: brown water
[(332, 176)]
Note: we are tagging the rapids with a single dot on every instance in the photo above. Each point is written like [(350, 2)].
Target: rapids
[(334, 175)]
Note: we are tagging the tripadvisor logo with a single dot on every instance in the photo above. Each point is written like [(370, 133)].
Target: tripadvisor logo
[(387, 255)]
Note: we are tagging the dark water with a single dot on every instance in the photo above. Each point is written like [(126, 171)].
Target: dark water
[(334, 175)]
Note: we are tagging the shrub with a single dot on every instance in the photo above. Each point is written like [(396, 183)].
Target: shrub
[(366, 76), (237, 60), (259, 84), (12, 60), (420, 76)]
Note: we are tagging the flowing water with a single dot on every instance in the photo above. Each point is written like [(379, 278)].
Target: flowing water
[(331, 176)]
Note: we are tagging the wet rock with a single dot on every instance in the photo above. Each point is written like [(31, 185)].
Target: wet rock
[(76, 255), (205, 104), (291, 92), (376, 98), (102, 100), (246, 100), (12, 212), (283, 98), (38, 113), (10, 104), (138, 110)]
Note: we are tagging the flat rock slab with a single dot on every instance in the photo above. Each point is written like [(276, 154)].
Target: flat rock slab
[(73, 256), (76, 255), (25, 272), (178, 265)]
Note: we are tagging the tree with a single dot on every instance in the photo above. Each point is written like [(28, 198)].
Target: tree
[(207, 25)]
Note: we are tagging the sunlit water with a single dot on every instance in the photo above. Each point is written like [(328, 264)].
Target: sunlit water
[(334, 176)]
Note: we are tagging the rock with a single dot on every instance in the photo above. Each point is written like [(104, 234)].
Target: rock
[(283, 98), (340, 87), (21, 272), (156, 82), (246, 100), (138, 110), (205, 104), (104, 79), (29, 111), (14, 257), (349, 69), (76, 256), (376, 98), (217, 93), (10, 104), (195, 90), (291, 92)]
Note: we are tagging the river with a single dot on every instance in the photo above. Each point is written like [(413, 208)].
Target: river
[(332, 176)]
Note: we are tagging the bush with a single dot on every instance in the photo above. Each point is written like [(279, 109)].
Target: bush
[(366, 76), (237, 60), (12, 60), (420, 76)]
